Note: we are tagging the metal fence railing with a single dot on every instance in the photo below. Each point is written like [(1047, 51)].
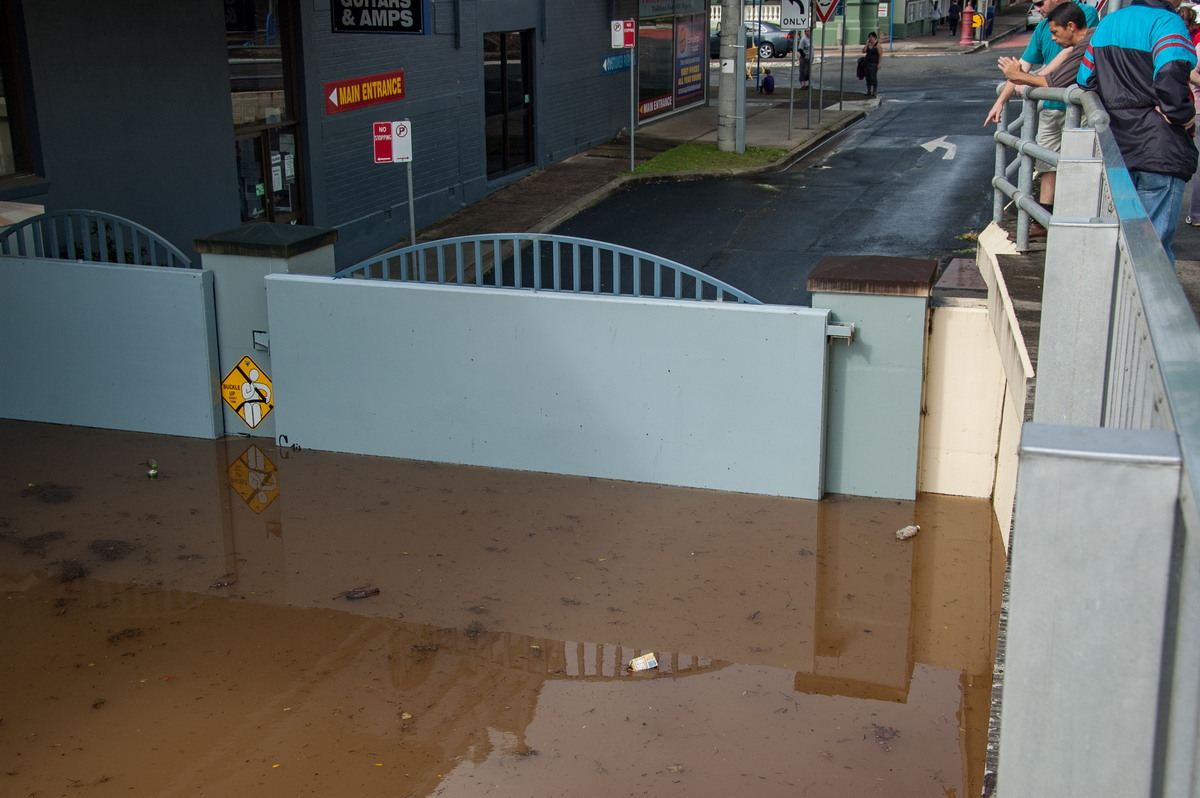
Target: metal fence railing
[(83, 235), (546, 263), (1102, 691)]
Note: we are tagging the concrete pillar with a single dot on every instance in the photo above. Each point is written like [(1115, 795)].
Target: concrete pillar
[(239, 260), (874, 405), (1091, 578)]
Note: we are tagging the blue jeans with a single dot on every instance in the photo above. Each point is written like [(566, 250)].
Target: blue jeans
[(1162, 196)]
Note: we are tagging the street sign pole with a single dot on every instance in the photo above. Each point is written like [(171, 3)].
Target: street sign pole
[(792, 98), (393, 144), (624, 36), (412, 214), (842, 70), (794, 16), (632, 103)]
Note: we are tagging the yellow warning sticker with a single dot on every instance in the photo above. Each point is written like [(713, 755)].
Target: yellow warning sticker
[(248, 391), (255, 478)]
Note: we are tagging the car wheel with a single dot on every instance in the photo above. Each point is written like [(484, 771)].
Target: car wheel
[(765, 50)]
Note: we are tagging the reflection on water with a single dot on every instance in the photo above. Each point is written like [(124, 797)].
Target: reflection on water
[(802, 646)]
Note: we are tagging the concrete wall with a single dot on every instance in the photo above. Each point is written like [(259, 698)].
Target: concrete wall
[(963, 403), (574, 105), (1017, 367), (132, 113), (875, 394), (721, 396), (119, 347)]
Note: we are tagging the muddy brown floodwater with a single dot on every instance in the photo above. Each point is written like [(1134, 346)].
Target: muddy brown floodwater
[(189, 634)]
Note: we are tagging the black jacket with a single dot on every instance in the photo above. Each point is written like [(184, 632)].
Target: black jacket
[(1138, 62)]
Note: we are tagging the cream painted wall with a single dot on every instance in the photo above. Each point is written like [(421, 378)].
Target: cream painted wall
[(978, 377), (964, 390)]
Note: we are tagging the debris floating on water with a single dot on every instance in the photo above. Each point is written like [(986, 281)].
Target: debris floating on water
[(49, 492), (70, 570), (358, 593), (111, 549), (907, 532), (643, 663)]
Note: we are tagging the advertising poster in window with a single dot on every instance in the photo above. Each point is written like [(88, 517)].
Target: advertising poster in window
[(689, 59), (672, 60), (656, 67)]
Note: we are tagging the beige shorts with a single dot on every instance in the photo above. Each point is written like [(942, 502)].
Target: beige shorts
[(1049, 134)]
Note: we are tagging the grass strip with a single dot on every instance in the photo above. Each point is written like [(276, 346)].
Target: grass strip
[(701, 155)]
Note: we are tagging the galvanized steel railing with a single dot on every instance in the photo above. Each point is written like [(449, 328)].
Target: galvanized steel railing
[(1017, 150), (546, 263), (1105, 608), (82, 235)]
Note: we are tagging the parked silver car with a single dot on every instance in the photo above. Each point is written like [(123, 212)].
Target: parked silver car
[(1032, 17), (771, 40)]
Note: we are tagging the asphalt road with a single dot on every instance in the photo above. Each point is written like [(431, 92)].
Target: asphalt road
[(910, 180)]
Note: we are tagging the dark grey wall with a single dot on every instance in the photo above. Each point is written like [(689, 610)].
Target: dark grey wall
[(575, 107), (133, 112)]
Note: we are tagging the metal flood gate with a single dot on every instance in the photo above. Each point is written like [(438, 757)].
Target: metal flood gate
[(710, 394)]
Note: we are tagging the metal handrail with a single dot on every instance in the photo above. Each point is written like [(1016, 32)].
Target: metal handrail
[(83, 235), (1018, 135), (1150, 374), (542, 262)]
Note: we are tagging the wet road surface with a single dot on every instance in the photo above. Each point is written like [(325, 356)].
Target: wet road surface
[(201, 644), (911, 180)]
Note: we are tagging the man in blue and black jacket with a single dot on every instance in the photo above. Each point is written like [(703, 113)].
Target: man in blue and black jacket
[(1138, 63)]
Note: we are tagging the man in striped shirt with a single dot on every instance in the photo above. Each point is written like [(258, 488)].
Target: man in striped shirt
[(1138, 62)]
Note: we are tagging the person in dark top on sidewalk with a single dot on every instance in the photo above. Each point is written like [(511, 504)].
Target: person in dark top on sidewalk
[(871, 58)]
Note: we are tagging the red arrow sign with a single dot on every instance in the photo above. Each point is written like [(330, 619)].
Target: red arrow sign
[(824, 9)]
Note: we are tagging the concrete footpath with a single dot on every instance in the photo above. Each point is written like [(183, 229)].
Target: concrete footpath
[(547, 197)]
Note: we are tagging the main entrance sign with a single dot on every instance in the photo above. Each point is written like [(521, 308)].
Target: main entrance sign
[(346, 95)]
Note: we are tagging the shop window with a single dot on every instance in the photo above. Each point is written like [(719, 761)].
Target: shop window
[(16, 151), (266, 134)]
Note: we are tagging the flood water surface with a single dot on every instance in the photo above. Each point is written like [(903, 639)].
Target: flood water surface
[(195, 633)]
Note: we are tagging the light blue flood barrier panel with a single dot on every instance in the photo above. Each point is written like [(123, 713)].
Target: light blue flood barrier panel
[(701, 394), (110, 346)]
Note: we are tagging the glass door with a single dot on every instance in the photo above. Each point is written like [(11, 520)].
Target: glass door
[(508, 101), (264, 117)]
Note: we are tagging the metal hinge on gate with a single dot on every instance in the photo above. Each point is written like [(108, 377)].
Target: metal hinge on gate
[(840, 331)]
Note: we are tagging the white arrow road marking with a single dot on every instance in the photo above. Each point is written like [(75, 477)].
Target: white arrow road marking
[(930, 146)]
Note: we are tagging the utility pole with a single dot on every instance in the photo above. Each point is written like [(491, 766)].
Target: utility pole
[(731, 101)]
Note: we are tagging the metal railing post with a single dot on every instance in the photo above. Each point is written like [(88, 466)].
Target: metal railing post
[(1080, 184), (1025, 172)]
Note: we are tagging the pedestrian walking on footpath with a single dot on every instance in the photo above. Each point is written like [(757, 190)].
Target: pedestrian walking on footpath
[(804, 50), (954, 14), (871, 58)]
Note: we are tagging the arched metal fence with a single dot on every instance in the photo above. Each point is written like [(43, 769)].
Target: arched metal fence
[(82, 235), (546, 263)]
